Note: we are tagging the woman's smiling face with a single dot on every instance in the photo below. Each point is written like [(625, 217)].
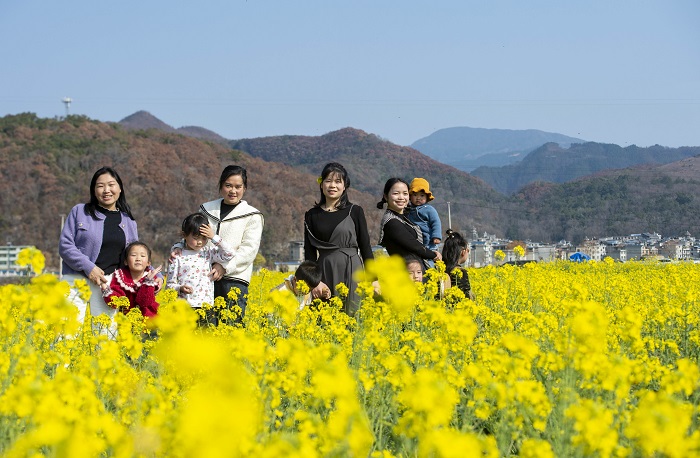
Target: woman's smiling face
[(333, 186), (232, 190), (397, 197), (107, 191)]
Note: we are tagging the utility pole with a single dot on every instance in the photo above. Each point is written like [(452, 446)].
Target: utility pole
[(60, 261), (449, 216)]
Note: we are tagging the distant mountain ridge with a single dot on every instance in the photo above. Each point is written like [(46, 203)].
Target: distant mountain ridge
[(468, 148), (143, 120), (370, 161), (62, 154), (552, 163)]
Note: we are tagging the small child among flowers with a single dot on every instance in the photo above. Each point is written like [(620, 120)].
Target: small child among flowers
[(135, 281), (309, 273), (414, 265)]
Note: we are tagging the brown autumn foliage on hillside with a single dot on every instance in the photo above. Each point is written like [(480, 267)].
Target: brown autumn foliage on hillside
[(641, 198), (370, 161), (46, 167)]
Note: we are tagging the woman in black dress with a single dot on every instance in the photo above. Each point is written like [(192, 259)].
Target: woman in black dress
[(397, 233), (336, 236)]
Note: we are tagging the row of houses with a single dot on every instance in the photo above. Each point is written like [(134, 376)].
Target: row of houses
[(641, 246), (620, 248)]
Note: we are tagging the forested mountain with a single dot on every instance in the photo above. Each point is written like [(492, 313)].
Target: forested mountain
[(555, 164), (46, 166), (468, 148), (370, 161), (661, 199), (143, 120)]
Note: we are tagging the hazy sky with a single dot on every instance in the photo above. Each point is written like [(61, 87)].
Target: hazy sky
[(619, 72)]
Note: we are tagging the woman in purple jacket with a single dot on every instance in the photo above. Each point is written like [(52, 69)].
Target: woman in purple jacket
[(93, 239)]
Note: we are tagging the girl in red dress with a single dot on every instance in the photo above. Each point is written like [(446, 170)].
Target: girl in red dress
[(135, 281)]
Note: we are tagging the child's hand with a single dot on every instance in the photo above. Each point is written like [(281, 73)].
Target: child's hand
[(153, 272), (174, 254), (207, 231), (321, 291), (186, 289), (436, 241)]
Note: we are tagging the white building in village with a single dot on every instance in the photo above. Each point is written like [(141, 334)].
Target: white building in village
[(8, 260), (676, 249), (615, 249), (593, 248)]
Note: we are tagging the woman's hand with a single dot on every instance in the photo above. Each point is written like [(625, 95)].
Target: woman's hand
[(438, 257), (97, 276), (321, 291), (217, 272)]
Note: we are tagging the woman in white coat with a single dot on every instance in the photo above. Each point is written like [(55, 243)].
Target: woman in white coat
[(240, 225)]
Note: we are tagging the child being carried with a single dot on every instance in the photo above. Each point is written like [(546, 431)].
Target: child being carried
[(424, 215)]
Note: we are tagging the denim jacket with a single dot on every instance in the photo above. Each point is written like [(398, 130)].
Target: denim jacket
[(426, 217)]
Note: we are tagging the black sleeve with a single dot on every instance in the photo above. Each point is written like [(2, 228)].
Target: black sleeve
[(362, 233), (463, 282), (400, 234), (310, 253)]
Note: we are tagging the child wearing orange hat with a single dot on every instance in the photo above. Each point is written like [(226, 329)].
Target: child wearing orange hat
[(424, 215)]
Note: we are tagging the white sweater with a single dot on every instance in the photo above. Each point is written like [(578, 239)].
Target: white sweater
[(242, 231)]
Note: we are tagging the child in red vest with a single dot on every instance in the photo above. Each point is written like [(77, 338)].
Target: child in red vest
[(135, 281)]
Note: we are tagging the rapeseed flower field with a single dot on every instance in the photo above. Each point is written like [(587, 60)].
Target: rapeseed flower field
[(551, 359)]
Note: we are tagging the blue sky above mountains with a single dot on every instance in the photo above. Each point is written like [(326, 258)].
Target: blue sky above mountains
[(615, 72)]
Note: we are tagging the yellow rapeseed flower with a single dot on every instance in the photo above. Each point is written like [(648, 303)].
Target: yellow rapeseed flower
[(32, 257)]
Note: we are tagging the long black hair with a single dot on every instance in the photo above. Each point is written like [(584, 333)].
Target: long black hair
[(387, 187), (122, 205), (336, 169), (452, 249), (231, 170)]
